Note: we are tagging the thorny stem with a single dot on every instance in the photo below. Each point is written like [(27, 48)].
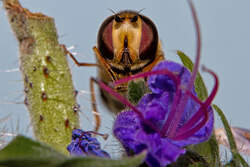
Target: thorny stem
[(48, 86)]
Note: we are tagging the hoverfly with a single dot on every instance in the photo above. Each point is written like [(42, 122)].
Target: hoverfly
[(127, 44)]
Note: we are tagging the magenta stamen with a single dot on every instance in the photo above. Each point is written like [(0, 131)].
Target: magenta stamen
[(198, 44), (216, 86), (185, 129), (165, 128), (126, 102), (203, 110), (118, 96), (158, 72), (195, 98), (183, 102), (170, 74), (189, 133), (194, 119)]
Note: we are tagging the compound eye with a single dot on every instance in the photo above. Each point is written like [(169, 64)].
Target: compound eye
[(118, 19), (105, 42), (149, 39), (134, 19)]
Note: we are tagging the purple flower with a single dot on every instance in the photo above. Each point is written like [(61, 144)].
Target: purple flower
[(83, 144), (159, 123), (169, 118)]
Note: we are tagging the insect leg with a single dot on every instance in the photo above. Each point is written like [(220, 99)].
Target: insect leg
[(75, 60), (94, 108), (103, 63)]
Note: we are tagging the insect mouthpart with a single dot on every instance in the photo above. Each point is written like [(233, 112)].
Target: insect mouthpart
[(126, 59)]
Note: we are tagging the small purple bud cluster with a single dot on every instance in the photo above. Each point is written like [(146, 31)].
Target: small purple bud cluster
[(83, 144)]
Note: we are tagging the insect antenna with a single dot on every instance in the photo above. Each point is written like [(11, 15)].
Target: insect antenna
[(139, 11), (112, 11)]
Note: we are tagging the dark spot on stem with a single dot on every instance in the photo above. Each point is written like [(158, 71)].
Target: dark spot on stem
[(26, 101), (76, 108), (34, 68), (75, 93), (41, 118), (27, 45), (26, 89), (46, 72), (48, 59), (66, 123), (44, 96), (30, 85), (26, 80)]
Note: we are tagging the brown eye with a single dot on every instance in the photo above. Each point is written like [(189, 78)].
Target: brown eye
[(118, 19), (149, 39), (134, 19), (104, 39)]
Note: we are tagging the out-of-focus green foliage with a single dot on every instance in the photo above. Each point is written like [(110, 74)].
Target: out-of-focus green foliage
[(23, 151)]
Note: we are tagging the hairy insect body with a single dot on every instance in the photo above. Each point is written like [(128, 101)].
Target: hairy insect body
[(127, 44)]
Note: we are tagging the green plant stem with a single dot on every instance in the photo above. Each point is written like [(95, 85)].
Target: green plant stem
[(49, 92)]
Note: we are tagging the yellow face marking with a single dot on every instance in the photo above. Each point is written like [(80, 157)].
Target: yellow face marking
[(129, 30)]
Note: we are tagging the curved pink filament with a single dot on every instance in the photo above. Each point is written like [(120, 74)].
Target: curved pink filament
[(149, 73), (165, 128), (190, 132), (195, 98), (216, 86), (118, 96), (126, 102), (180, 108), (184, 130)]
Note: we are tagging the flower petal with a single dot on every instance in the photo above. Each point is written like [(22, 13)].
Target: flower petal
[(162, 83)]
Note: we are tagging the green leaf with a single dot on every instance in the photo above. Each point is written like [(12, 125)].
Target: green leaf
[(200, 87), (136, 89), (210, 148), (98, 162), (237, 158), (23, 151)]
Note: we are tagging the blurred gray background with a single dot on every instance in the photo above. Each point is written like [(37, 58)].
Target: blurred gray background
[(225, 27)]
